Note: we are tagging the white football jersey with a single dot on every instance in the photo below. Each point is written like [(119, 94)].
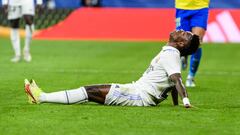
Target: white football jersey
[(20, 2), (156, 77)]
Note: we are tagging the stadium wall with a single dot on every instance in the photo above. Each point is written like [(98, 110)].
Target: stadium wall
[(164, 3), (131, 24)]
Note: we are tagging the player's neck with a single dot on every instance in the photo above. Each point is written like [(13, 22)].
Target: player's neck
[(172, 44)]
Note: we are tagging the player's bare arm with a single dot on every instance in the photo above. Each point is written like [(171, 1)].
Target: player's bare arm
[(177, 79), (174, 94)]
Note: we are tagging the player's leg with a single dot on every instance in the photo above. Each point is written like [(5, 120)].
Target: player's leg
[(28, 11), (29, 29), (195, 58), (95, 93), (15, 39), (14, 14), (182, 22), (199, 26)]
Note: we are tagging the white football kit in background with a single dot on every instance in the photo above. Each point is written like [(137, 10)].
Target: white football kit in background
[(148, 90), (18, 8)]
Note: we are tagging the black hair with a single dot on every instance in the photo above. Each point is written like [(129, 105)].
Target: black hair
[(192, 47)]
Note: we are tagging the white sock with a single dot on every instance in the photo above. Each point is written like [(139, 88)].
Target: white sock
[(28, 36), (190, 77), (15, 38), (66, 97)]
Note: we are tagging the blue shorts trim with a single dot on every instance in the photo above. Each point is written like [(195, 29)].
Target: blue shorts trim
[(187, 19)]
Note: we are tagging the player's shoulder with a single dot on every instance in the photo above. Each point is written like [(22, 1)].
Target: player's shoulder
[(169, 50)]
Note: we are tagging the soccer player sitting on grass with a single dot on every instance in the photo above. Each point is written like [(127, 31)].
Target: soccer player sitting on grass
[(162, 76)]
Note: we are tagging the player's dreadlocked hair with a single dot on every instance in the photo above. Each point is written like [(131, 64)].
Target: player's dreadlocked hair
[(193, 46)]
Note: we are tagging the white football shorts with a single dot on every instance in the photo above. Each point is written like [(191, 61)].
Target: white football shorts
[(128, 95), (15, 12)]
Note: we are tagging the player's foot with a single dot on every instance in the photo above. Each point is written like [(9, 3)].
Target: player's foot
[(190, 83), (33, 91), (184, 62), (27, 56), (16, 59)]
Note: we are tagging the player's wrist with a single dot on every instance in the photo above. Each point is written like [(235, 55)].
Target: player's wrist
[(186, 102)]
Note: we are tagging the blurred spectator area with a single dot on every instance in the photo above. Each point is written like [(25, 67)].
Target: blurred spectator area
[(52, 12), (138, 3), (135, 3), (48, 17)]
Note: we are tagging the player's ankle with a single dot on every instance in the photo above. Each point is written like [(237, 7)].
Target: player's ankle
[(42, 97), (190, 77)]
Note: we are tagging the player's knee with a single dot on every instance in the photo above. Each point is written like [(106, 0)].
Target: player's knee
[(91, 89), (95, 94), (14, 24), (28, 19), (28, 22)]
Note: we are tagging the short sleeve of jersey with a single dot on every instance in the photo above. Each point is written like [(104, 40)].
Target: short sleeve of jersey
[(171, 62)]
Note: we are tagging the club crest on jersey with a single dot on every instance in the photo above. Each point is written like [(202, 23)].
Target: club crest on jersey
[(150, 68)]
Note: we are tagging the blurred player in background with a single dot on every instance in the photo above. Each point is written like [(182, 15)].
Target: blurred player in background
[(91, 3), (17, 9), (162, 76), (192, 15)]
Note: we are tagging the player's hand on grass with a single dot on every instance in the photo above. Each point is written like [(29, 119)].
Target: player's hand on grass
[(186, 102), (187, 106)]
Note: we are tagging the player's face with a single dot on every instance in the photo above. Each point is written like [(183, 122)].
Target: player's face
[(187, 36), (182, 38)]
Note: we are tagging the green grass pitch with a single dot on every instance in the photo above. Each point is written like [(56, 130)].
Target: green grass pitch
[(60, 65)]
